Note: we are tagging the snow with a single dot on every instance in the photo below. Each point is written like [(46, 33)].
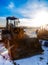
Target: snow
[(4, 53), (8, 63), (34, 60), (4, 61)]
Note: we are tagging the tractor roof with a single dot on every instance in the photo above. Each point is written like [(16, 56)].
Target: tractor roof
[(11, 18)]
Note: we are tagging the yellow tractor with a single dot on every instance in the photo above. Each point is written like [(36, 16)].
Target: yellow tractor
[(19, 44)]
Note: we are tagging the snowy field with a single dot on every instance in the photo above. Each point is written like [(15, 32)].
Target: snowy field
[(41, 59)]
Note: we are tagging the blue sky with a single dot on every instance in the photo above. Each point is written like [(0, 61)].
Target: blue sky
[(7, 7), (20, 8), (28, 11)]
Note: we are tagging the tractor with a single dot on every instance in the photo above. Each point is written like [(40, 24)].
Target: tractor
[(19, 44)]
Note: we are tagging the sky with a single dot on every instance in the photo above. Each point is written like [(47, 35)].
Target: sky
[(25, 10)]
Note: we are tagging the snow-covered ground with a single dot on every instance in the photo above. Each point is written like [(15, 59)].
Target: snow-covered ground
[(41, 59)]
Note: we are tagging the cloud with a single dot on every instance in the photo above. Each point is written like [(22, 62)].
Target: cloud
[(2, 17), (34, 13), (40, 18), (2, 21), (11, 5), (29, 10)]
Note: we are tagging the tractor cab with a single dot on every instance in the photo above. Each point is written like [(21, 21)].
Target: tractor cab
[(12, 21)]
